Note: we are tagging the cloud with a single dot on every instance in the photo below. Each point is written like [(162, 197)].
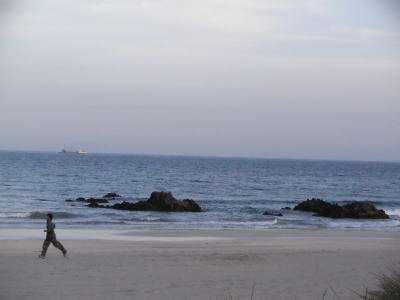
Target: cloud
[(329, 63), (232, 17), (236, 16), (127, 7), (212, 21), (364, 33), (155, 34), (318, 7)]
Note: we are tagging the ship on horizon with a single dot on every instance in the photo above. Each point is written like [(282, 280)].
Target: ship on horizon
[(80, 151)]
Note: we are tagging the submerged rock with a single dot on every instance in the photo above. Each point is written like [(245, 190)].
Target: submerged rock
[(286, 208), (89, 200), (353, 210), (111, 195), (268, 213), (158, 201), (96, 200)]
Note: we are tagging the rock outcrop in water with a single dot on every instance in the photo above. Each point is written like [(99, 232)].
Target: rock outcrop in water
[(269, 213), (158, 201), (353, 210), (111, 195), (314, 205), (363, 210), (89, 200), (93, 201)]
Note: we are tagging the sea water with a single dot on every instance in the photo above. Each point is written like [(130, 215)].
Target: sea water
[(233, 192)]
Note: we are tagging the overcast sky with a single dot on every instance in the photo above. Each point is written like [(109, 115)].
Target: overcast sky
[(255, 78)]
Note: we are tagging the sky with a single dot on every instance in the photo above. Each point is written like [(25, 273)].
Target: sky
[(313, 79)]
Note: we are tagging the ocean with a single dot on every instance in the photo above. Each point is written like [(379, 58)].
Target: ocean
[(233, 192)]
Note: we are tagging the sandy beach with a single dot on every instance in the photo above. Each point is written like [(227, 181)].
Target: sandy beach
[(274, 264)]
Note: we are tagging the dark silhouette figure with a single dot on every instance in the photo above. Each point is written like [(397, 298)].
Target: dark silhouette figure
[(51, 238)]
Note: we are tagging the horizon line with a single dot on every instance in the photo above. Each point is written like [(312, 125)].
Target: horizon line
[(207, 156)]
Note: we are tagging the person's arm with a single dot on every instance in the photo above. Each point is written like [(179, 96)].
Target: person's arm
[(50, 227)]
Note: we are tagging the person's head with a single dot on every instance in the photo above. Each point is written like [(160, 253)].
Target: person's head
[(49, 217)]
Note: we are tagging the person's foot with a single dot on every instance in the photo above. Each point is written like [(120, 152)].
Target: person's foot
[(65, 254), (42, 256)]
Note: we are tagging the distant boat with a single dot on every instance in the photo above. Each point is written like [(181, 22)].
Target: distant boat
[(80, 151)]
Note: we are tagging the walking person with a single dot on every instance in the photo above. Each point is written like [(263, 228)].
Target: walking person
[(51, 238)]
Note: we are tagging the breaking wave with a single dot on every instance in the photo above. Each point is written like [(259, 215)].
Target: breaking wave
[(38, 215)]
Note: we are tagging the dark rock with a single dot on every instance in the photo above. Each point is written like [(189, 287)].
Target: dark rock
[(96, 200), (286, 208), (313, 205), (165, 201), (158, 201), (363, 210), (91, 200), (95, 205), (353, 210), (69, 200), (333, 211), (191, 205), (111, 195), (141, 205), (268, 213)]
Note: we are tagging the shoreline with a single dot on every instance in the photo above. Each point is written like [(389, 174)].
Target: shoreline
[(174, 235)]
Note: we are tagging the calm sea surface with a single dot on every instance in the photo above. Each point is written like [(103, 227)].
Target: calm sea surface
[(233, 192)]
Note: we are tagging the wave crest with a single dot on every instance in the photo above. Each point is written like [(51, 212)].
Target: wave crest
[(37, 215), (393, 212)]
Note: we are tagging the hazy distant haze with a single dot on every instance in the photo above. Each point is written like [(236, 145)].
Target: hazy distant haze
[(257, 78)]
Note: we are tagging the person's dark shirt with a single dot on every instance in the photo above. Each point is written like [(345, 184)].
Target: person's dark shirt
[(50, 234)]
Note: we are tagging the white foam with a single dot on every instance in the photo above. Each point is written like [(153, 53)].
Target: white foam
[(150, 219), (95, 234), (14, 215), (393, 212)]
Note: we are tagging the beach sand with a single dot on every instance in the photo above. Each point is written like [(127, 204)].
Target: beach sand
[(206, 264)]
